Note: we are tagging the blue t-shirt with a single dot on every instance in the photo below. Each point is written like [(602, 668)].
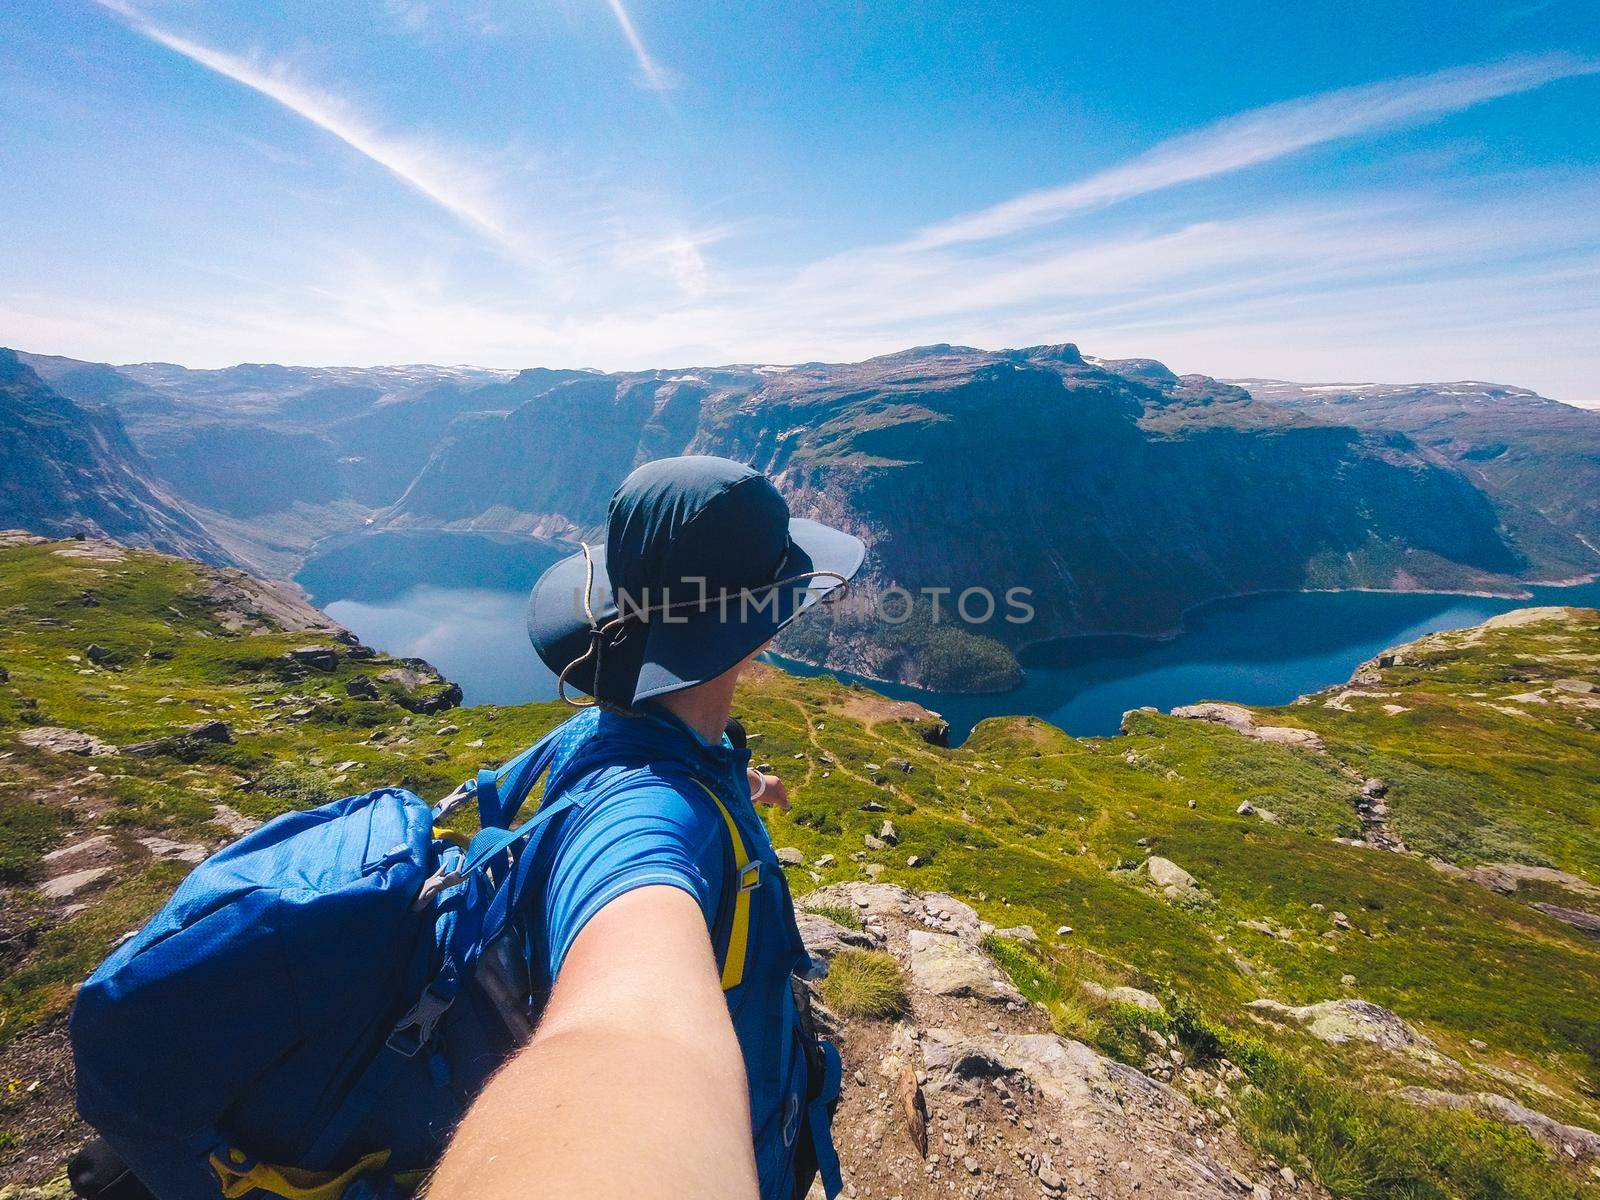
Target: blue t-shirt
[(634, 834), (642, 817)]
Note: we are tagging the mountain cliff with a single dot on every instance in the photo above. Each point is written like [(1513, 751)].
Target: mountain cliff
[(67, 468), (1118, 493), (1119, 499), (1536, 458)]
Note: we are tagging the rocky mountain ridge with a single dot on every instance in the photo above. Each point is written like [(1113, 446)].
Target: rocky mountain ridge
[(1118, 493), (68, 469)]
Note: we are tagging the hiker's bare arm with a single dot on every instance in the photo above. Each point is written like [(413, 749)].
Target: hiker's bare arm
[(633, 1084)]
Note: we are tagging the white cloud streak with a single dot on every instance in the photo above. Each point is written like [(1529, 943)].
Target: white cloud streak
[(655, 76), (1259, 136), (434, 173)]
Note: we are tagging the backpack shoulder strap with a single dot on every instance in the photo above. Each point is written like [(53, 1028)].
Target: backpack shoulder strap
[(745, 879)]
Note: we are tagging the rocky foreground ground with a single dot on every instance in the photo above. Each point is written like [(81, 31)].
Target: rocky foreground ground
[(970, 1092)]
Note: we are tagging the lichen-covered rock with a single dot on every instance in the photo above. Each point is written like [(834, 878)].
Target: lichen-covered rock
[(944, 965), (872, 899), (1339, 1022)]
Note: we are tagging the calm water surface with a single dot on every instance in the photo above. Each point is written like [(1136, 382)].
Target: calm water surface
[(456, 599)]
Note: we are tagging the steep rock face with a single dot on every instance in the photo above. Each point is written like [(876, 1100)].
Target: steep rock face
[(1538, 459), (67, 469), (1120, 500)]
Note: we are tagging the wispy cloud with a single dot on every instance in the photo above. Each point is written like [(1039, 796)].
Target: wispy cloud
[(1259, 136), (654, 75), (442, 177)]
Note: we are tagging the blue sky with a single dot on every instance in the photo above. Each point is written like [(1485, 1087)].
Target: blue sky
[(1362, 191)]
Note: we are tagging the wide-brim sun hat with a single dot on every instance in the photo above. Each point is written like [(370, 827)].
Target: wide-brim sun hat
[(702, 566)]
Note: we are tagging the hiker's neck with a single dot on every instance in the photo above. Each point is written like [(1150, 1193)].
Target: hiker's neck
[(704, 708)]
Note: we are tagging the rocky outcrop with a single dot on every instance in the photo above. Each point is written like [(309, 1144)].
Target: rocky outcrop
[(1575, 1142), (1339, 1022), (968, 1096), (65, 741), (419, 688), (1580, 919), (945, 965), (1242, 720)]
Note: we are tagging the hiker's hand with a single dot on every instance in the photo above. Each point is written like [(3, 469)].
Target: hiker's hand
[(768, 789)]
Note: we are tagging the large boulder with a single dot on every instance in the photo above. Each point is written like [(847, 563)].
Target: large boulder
[(1174, 883), (945, 965), (1123, 995)]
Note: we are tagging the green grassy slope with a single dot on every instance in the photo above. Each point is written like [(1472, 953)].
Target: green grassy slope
[(1026, 823)]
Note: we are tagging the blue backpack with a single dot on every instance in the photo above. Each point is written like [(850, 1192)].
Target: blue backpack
[(316, 1006)]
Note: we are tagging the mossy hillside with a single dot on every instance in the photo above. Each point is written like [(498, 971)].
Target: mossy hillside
[(1031, 824), (1028, 824)]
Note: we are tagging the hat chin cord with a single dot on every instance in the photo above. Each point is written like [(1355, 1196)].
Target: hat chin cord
[(598, 633)]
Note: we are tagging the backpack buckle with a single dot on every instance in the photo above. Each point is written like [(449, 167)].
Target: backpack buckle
[(750, 876), (433, 885), (413, 1031)]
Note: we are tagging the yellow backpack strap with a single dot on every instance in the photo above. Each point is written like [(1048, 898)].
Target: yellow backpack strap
[(291, 1183), (749, 873)]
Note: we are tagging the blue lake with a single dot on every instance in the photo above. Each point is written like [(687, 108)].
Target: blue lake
[(457, 600)]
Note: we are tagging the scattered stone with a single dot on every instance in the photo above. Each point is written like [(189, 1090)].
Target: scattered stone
[(172, 851), (98, 654), (1582, 687), (954, 916), (1246, 809), (1173, 882), (318, 658), (897, 764), (888, 834), (827, 860), (361, 688), (233, 821), (874, 843), (64, 887), (1063, 930), (914, 861), (789, 856), (55, 740)]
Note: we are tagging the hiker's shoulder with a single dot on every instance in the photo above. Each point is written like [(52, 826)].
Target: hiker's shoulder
[(661, 796)]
